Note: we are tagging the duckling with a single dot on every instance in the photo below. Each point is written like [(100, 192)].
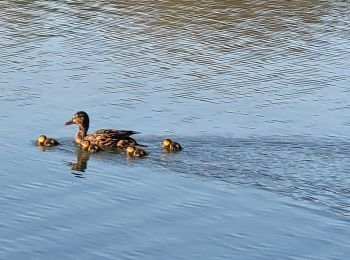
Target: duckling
[(135, 152), (87, 146), (170, 145), (44, 141)]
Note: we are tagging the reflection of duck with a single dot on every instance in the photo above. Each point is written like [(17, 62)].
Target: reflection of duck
[(135, 152), (170, 145), (81, 162), (44, 141), (103, 138), (87, 146)]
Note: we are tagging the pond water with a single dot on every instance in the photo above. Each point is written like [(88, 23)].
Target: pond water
[(256, 92)]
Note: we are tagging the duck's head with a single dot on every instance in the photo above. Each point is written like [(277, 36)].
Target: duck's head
[(41, 139), (166, 142), (81, 119), (85, 144)]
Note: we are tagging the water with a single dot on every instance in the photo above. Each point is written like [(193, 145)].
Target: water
[(257, 93)]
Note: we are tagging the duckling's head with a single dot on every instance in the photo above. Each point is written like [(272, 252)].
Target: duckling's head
[(81, 119), (130, 149), (85, 144), (166, 142), (41, 139)]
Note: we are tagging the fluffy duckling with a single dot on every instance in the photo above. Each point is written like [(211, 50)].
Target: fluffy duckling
[(44, 141), (135, 152), (170, 145), (87, 146)]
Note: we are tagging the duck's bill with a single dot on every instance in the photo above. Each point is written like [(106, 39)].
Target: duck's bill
[(70, 122)]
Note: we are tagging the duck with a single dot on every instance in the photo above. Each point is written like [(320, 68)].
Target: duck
[(171, 145), (87, 146), (135, 151), (105, 139), (43, 140)]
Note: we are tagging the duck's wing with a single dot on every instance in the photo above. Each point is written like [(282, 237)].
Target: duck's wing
[(132, 141), (108, 138), (115, 133)]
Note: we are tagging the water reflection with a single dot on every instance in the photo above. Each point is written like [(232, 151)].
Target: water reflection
[(80, 164), (44, 148)]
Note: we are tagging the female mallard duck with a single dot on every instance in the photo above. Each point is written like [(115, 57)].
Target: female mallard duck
[(170, 145), (44, 141), (88, 146), (103, 138), (135, 152)]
